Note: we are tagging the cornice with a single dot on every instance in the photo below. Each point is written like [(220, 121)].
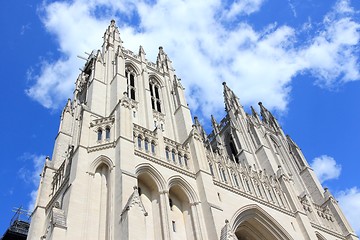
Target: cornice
[(217, 183), (165, 164), (331, 232)]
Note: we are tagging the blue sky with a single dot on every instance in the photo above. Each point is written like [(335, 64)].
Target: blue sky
[(299, 57)]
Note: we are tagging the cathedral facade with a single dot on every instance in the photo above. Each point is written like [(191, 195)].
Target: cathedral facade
[(129, 162)]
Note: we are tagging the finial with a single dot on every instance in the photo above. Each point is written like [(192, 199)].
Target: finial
[(224, 83), (260, 103)]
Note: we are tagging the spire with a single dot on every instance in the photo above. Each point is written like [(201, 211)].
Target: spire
[(68, 107), (141, 51), (163, 62), (214, 124), (112, 36), (267, 117), (254, 113), (200, 128), (230, 99)]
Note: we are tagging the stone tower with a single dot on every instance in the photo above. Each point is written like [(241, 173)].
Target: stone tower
[(129, 163)]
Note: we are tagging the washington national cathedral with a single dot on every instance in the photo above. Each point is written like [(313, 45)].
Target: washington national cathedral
[(130, 163)]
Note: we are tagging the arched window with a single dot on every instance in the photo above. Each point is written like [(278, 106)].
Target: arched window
[(146, 144), (186, 160), (167, 153), (153, 147), (247, 185), (107, 133), (155, 95), (233, 150), (139, 141), (99, 134), (173, 154), (222, 174), (180, 159), (130, 80), (236, 180)]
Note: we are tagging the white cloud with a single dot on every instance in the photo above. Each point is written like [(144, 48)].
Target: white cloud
[(326, 168), (32, 175), (349, 201), (243, 7), (258, 65)]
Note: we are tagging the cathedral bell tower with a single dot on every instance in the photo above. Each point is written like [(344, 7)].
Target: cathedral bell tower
[(129, 163)]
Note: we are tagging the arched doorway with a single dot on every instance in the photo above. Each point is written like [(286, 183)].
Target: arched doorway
[(149, 196), (180, 214), (253, 223)]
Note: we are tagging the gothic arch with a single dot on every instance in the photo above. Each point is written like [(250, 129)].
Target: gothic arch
[(153, 173), (253, 220), (157, 79), (99, 203), (184, 186), (132, 66), (319, 236), (101, 160), (274, 139)]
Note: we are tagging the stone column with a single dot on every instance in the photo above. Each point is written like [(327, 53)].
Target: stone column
[(164, 212), (196, 220)]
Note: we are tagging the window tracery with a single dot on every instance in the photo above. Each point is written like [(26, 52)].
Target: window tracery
[(130, 80), (154, 87)]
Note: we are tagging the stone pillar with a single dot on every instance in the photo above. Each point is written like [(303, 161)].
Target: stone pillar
[(196, 220), (164, 212)]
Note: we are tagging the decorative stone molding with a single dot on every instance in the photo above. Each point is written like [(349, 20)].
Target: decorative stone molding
[(226, 232), (134, 200)]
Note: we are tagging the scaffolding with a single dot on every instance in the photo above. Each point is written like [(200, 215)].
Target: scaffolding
[(19, 225)]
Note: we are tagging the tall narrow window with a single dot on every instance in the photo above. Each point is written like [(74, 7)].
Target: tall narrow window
[(180, 159), (155, 95), (173, 156), (130, 79), (107, 133), (248, 185), (146, 144), (173, 226), (99, 134), (224, 175), (233, 149), (139, 141), (153, 147), (236, 180), (167, 153)]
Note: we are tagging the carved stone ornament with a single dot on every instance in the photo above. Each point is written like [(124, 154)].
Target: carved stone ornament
[(134, 200), (226, 232)]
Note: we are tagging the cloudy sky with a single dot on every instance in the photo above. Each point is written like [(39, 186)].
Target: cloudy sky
[(299, 57)]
